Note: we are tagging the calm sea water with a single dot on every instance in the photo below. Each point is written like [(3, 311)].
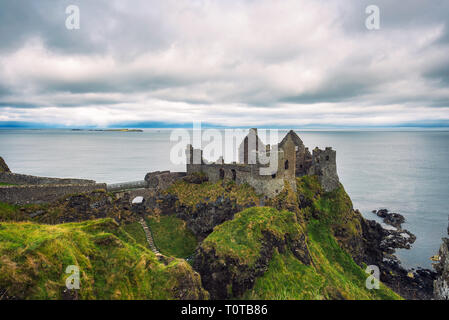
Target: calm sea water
[(406, 172)]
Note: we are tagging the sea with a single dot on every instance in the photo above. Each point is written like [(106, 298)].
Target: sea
[(403, 171)]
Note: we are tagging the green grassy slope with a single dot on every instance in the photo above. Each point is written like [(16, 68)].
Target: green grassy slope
[(113, 265), (241, 238), (332, 274), (171, 236)]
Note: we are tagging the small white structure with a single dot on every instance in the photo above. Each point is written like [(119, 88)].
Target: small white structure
[(137, 200)]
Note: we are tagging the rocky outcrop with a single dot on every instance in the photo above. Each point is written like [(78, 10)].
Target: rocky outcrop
[(84, 206), (377, 245), (202, 218), (3, 166), (225, 275), (441, 284), (390, 218)]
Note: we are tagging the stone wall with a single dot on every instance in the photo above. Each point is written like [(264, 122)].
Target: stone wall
[(23, 179), (127, 185), (33, 194), (269, 185), (162, 179)]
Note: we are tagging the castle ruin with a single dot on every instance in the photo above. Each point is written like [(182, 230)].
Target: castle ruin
[(293, 160)]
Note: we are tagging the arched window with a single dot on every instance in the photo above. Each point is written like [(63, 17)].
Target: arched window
[(327, 158), (286, 165), (221, 174), (234, 175)]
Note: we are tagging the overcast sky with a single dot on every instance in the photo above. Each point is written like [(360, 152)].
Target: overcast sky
[(229, 63)]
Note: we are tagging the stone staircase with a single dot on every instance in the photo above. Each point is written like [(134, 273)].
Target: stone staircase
[(149, 236)]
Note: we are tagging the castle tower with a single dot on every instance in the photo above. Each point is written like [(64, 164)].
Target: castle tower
[(324, 165), (250, 146)]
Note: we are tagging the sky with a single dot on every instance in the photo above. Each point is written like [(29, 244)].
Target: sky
[(266, 63)]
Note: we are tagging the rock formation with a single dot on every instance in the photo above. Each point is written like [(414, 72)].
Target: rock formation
[(441, 284), (3, 166)]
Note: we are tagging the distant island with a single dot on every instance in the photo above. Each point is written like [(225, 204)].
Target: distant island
[(110, 130)]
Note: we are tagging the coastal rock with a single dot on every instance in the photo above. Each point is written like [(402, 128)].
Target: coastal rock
[(441, 284), (3, 166), (376, 245), (390, 218), (380, 244)]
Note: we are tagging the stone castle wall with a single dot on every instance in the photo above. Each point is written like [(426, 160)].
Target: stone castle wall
[(293, 160), (324, 165)]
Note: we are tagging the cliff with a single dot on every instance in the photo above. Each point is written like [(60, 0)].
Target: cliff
[(113, 263), (441, 284), (303, 244), (3, 166)]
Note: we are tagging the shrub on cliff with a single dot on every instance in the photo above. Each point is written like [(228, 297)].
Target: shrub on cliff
[(113, 265)]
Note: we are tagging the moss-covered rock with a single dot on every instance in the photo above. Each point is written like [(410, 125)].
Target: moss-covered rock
[(238, 251), (3, 166), (264, 253), (206, 205), (72, 208)]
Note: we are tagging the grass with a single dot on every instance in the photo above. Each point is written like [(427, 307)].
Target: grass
[(190, 194), (7, 184), (10, 212), (332, 274), (135, 230), (241, 237), (113, 264), (171, 236)]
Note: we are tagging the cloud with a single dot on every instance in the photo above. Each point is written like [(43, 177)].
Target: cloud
[(239, 63)]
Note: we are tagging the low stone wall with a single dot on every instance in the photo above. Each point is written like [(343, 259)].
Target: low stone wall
[(162, 179), (127, 185), (24, 179), (33, 194)]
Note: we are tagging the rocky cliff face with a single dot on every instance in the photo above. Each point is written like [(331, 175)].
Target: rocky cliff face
[(227, 271), (376, 245), (203, 205), (3, 166), (441, 284), (81, 207)]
